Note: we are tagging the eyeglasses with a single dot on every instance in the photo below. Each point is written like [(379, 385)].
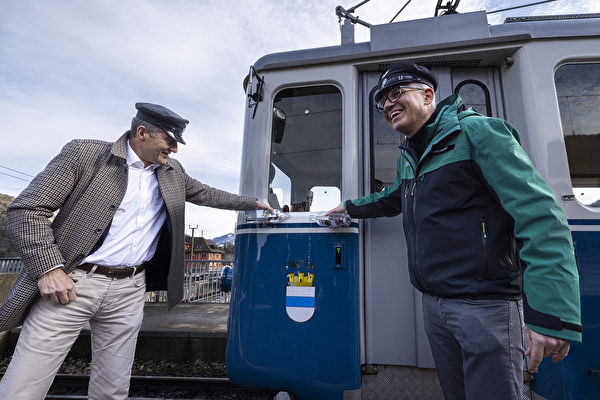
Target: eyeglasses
[(393, 96)]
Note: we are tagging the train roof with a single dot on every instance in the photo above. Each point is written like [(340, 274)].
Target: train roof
[(442, 33)]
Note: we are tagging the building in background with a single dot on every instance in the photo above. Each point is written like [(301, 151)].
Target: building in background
[(202, 250)]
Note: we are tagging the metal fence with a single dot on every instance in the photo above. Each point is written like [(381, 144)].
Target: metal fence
[(200, 284), (10, 265)]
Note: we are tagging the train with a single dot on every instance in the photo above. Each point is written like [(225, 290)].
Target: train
[(325, 313)]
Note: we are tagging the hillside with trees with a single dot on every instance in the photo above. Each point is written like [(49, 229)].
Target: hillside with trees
[(7, 249)]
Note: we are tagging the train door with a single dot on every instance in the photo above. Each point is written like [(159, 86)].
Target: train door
[(394, 333), (294, 315)]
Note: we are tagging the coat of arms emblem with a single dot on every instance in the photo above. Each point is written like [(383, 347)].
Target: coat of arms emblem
[(300, 297)]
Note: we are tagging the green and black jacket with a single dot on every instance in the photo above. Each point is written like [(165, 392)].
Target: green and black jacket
[(480, 222)]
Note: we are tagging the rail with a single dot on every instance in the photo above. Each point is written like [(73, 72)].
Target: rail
[(145, 387), (200, 283)]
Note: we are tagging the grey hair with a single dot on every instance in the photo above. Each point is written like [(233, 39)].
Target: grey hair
[(136, 123), (424, 86)]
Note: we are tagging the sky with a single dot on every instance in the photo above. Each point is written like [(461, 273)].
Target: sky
[(75, 69)]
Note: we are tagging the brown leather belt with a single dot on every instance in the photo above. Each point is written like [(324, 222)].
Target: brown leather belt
[(113, 272)]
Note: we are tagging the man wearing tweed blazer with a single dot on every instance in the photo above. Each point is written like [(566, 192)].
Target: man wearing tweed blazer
[(119, 232)]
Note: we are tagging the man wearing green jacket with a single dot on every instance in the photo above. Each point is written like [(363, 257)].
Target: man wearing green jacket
[(486, 239)]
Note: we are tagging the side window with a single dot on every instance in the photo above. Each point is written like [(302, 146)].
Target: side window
[(306, 149), (476, 95), (578, 91)]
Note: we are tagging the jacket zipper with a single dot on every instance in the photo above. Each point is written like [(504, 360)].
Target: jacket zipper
[(409, 191), (484, 247)]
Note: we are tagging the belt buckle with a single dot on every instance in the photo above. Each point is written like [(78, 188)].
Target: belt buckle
[(120, 272)]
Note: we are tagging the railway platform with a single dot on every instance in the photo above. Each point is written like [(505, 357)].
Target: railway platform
[(190, 331)]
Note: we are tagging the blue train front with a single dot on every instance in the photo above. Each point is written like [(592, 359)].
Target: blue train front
[(295, 324), (294, 314)]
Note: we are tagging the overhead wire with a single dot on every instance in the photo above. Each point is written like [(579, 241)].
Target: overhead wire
[(16, 177), (17, 171)]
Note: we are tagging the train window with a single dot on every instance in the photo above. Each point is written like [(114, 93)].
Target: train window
[(475, 94), (578, 91), (385, 150), (324, 197), (306, 149)]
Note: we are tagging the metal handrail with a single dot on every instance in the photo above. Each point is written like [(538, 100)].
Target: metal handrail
[(200, 283), (10, 265)]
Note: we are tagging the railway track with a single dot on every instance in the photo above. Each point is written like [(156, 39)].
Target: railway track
[(74, 387)]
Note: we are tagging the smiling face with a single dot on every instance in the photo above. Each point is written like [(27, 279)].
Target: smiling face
[(408, 114), (152, 148)]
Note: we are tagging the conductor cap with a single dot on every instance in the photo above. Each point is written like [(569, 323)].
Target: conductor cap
[(163, 118), (404, 72)]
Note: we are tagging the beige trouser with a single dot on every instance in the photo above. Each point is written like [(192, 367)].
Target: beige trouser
[(113, 307)]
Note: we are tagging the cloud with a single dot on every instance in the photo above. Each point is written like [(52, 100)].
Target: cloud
[(74, 69)]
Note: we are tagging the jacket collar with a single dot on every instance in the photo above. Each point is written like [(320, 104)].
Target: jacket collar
[(418, 142), (446, 122), (119, 148), (447, 119)]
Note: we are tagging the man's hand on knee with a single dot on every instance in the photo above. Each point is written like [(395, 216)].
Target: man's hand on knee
[(57, 287)]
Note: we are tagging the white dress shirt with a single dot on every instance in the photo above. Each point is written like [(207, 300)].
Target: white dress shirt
[(133, 234)]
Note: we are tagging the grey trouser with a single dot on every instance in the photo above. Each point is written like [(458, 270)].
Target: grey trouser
[(477, 347), (114, 309)]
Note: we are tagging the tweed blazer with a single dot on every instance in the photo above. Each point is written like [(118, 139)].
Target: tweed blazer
[(86, 183)]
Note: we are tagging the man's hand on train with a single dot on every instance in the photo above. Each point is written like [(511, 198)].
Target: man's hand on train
[(339, 209), (57, 287), (540, 346), (262, 206)]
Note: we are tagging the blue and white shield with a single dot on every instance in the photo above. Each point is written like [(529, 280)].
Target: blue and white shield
[(300, 302)]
